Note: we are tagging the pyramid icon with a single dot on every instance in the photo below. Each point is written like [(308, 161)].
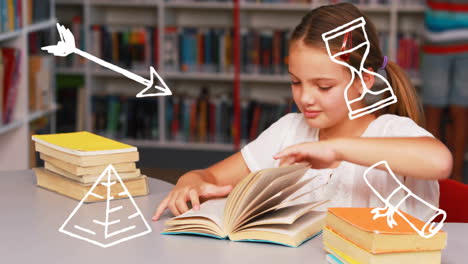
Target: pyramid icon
[(107, 224)]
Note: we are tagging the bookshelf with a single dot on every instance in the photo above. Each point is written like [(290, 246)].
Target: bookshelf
[(15, 139), (392, 18)]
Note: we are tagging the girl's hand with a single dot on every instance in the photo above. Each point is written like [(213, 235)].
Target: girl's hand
[(189, 189), (320, 154)]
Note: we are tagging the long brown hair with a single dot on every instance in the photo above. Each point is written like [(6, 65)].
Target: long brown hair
[(326, 18)]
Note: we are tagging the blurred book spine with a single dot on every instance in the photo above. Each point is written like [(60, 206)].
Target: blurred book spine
[(10, 59)]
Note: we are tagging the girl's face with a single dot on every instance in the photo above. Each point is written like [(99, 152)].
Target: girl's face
[(318, 85)]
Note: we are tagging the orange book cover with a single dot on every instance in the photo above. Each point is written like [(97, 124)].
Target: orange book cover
[(362, 218)]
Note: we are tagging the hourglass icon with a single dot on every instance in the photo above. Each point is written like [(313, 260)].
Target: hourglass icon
[(378, 98)]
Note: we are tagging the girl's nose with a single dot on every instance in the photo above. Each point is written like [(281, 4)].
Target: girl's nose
[(307, 97)]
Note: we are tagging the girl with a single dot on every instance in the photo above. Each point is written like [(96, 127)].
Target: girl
[(338, 149)]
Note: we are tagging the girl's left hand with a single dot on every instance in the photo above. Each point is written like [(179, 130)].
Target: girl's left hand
[(319, 154)]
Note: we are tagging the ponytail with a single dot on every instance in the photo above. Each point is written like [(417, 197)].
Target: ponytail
[(408, 103)]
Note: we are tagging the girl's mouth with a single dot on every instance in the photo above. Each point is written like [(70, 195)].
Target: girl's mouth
[(311, 114)]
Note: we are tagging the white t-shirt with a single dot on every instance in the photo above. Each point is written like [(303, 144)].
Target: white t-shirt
[(346, 188)]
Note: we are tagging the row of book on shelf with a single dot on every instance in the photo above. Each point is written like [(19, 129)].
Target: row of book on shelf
[(315, 2), (40, 92), (40, 95), (408, 53), (9, 78), (202, 119), (188, 49), (41, 88), (11, 13), (318, 2)]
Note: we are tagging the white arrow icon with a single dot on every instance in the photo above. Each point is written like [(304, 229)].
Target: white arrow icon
[(66, 46)]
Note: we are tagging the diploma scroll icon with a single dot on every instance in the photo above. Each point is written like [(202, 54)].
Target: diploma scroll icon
[(384, 96), (429, 229)]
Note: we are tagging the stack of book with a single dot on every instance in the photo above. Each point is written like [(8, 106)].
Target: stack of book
[(351, 235), (74, 162)]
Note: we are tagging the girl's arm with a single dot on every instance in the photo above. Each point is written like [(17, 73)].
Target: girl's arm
[(418, 157)]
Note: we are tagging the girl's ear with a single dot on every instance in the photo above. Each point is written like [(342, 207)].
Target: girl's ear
[(368, 80)]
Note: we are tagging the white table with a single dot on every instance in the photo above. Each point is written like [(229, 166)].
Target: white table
[(31, 216)]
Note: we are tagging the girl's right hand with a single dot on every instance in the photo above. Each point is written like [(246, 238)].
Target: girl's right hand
[(189, 189)]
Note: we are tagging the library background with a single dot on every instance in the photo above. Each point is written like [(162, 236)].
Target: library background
[(192, 44)]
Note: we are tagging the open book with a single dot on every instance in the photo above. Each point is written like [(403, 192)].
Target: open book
[(263, 207)]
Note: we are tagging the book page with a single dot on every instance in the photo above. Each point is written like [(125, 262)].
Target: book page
[(285, 215), (292, 229), (211, 209), (279, 184), (265, 178), (271, 203), (233, 197)]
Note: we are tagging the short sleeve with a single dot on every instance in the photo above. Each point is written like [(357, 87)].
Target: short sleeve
[(258, 154), (398, 126)]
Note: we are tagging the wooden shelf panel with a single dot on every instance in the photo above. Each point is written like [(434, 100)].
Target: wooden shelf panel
[(11, 126), (10, 35), (41, 113), (69, 2), (198, 5), (41, 25)]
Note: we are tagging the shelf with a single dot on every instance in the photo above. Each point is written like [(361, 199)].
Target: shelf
[(199, 76), (11, 126), (41, 113), (171, 75), (411, 9), (134, 3), (193, 76), (275, 78), (178, 145), (31, 117), (102, 72), (10, 35), (275, 7), (150, 3), (247, 6), (198, 5), (69, 2), (38, 26), (374, 8), (30, 28)]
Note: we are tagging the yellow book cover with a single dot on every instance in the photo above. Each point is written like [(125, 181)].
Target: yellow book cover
[(82, 144), (11, 15)]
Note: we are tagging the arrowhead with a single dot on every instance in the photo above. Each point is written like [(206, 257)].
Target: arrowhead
[(66, 44), (163, 91)]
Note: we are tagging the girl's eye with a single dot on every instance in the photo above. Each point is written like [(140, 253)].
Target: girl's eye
[(325, 88), (295, 83)]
